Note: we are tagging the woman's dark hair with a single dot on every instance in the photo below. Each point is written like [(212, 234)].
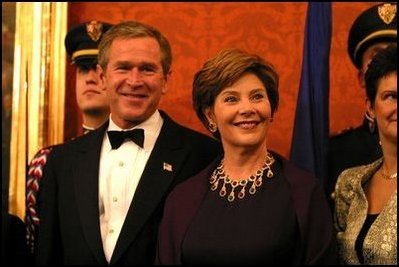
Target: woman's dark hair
[(383, 64)]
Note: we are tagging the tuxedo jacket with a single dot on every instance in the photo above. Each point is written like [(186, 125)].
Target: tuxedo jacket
[(68, 200)]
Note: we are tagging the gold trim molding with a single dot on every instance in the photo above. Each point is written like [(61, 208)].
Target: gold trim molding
[(38, 89)]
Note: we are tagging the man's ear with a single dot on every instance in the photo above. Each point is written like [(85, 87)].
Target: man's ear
[(100, 73), (166, 77)]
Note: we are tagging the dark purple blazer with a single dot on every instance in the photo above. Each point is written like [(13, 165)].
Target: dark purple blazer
[(317, 244)]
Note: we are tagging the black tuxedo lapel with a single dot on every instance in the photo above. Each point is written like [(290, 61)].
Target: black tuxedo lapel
[(86, 188), (153, 184)]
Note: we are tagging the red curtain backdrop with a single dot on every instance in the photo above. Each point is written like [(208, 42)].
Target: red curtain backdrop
[(197, 31)]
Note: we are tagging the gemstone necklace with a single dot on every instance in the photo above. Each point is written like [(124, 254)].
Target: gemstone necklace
[(227, 184)]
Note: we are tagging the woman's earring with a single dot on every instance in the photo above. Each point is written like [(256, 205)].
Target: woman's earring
[(212, 127), (372, 125), (371, 122)]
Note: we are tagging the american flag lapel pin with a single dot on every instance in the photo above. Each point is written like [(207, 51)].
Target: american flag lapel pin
[(167, 167)]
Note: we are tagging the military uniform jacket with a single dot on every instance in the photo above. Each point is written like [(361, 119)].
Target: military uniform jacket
[(69, 230)]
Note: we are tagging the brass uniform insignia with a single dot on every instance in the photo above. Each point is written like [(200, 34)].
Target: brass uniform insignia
[(387, 13), (94, 30)]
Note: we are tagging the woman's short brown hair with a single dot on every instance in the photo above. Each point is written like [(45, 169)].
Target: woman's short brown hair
[(225, 69)]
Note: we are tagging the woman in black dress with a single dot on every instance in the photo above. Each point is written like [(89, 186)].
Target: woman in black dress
[(250, 206)]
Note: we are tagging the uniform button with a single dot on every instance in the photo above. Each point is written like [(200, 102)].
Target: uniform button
[(114, 199), (121, 164), (111, 231)]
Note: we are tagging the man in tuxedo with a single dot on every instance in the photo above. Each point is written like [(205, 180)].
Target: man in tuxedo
[(103, 193), (81, 43)]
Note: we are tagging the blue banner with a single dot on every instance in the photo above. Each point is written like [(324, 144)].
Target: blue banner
[(311, 128)]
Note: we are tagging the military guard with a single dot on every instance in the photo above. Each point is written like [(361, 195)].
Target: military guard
[(81, 44), (373, 30)]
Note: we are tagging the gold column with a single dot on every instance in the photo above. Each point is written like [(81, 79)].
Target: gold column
[(57, 73), (38, 89)]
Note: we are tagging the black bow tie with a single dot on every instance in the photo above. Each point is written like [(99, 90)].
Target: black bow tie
[(116, 138)]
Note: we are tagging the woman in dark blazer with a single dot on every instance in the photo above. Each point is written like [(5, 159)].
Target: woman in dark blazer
[(249, 206)]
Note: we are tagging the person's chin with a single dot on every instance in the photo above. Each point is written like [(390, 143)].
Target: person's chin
[(93, 110), (248, 142)]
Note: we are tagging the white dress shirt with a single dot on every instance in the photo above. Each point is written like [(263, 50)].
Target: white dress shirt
[(119, 174)]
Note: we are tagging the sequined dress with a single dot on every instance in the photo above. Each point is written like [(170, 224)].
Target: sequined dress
[(380, 243)]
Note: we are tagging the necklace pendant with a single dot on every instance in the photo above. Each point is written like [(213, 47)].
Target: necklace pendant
[(258, 182), (214, 186), (231, 197), (214, 182), (223, 191), (234, 183), (252, 190), (241, 195)]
